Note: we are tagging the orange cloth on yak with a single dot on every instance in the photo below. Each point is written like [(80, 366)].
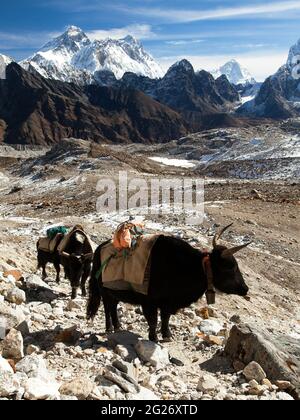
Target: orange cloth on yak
[(125, 233)]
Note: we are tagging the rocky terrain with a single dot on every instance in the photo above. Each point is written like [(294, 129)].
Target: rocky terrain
[(237, 349)]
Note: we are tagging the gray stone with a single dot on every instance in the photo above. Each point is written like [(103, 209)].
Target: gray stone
[(127, 368), (33, 281), (13, 346), (254, 371), (124, 381), (10, 318), (207, 383), (81, 388), (38, 389), (34, 366), (16, 296), (31, 349), (9, 385), (153, 353), (210, 327)]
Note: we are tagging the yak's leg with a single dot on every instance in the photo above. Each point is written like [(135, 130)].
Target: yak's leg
[(108, 320), (57, 268), (44, 273), (150, 313), (165, 328), (74, 292), (85, 276), (115, 316)]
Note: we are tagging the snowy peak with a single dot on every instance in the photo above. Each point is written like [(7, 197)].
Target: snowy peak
[(4, 62), (235, 73), (293, 55), (72, 40), (72, 57)]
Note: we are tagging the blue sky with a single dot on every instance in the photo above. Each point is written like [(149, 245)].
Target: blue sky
[(208, 32)]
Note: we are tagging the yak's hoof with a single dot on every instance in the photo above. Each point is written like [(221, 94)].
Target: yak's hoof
[(119, 329), (168, 339), (109, 330), (154, 338)]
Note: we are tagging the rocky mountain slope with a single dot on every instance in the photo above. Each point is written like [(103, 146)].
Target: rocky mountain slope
[(235, 73), (72, 57), (42, 111), (279, 96)]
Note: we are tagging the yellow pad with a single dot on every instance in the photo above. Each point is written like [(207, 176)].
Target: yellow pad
[(49, 245), (131, 272)]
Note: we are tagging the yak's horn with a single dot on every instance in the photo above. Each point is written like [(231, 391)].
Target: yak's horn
[(232, 251), (219, 235)]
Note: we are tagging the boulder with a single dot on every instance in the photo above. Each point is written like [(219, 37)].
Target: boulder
[(34, 366), (81, 388), (153, 353), (13, 346), (125, 382), (33, 281), (10, 318), (9, 385), (16, 296), (38, 389), (207, 383), (274, 353)]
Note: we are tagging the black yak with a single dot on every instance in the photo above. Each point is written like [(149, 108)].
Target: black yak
[(180, 275), (52, 257), (76, 259)]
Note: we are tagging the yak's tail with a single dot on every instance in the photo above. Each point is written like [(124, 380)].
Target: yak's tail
[(95, 286)]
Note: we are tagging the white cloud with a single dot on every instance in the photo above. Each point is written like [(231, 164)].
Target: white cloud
[(176, 15), (260, 65), (184, 42), (138, 31)]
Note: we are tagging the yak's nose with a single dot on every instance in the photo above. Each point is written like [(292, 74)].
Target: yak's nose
[(244, 290)]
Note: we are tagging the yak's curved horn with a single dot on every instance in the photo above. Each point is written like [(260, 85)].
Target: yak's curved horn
[(232, 251), (219, 235)]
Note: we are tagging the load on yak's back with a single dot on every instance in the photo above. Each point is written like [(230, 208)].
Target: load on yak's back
[(70, 248), (159, 272)]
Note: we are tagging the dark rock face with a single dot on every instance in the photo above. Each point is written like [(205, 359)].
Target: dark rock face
[(227, 90), (277, 98), (193, 95), (35, 110), (276, 355)]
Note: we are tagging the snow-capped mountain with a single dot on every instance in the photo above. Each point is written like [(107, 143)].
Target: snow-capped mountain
[(235, 73), (279, 96), (72, 57), (4, 62)]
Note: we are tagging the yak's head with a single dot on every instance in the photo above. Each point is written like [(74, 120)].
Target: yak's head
[(227, 277)]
